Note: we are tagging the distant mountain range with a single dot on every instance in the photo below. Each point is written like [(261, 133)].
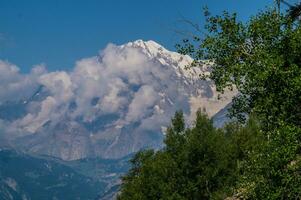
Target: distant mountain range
[(31, 177), (108, 107)]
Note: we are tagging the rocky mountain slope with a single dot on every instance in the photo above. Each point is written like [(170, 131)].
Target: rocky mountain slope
[(108, 106), (27, 177)]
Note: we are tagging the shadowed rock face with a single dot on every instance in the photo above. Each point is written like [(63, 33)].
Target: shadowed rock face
[(67, 140), (110, 105)]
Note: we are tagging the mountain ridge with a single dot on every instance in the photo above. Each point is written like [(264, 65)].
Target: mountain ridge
[(110, 105)]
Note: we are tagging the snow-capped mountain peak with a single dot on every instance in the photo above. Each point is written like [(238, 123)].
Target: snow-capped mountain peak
[(110, 105), (165, 57), (150, 48)]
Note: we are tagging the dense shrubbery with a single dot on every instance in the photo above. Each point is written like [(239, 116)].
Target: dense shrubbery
[(254, 159)]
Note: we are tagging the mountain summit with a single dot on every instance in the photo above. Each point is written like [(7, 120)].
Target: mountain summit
[(157, 52), (108, 106)]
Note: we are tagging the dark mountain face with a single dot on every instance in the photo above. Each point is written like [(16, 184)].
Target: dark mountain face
[(28, 177)]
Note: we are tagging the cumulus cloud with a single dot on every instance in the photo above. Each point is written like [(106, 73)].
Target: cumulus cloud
[(113, 101), (119, 78), (143, 99), (31, 122), (14, 85), (58, 84), (122, 80)]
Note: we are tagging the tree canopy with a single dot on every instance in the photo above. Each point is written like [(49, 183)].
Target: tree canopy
[(197, 163), (261, 58), (257, 157)]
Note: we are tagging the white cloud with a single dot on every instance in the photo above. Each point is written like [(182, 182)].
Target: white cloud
[(14, 85), (143, 100), (58, 84), (39, 69), (122, 81), (111, 77), (47, 112), (113, 101)]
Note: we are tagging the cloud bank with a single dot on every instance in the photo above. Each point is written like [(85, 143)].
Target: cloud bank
[(15, 86), (139, 83)]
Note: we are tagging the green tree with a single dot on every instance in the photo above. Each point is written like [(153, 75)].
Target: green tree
[(209, 165), (200, 162), (257, 159), (261, 58), (175, 137), (157, 175)]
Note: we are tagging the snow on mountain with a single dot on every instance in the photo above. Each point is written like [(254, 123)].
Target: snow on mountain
[(168, 58), (109, 105)]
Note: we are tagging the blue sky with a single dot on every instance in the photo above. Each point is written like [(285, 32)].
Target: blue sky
[(59, 32)]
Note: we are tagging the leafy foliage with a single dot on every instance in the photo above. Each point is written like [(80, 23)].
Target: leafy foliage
[(201, 162), (261, 58), (257, 158)]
